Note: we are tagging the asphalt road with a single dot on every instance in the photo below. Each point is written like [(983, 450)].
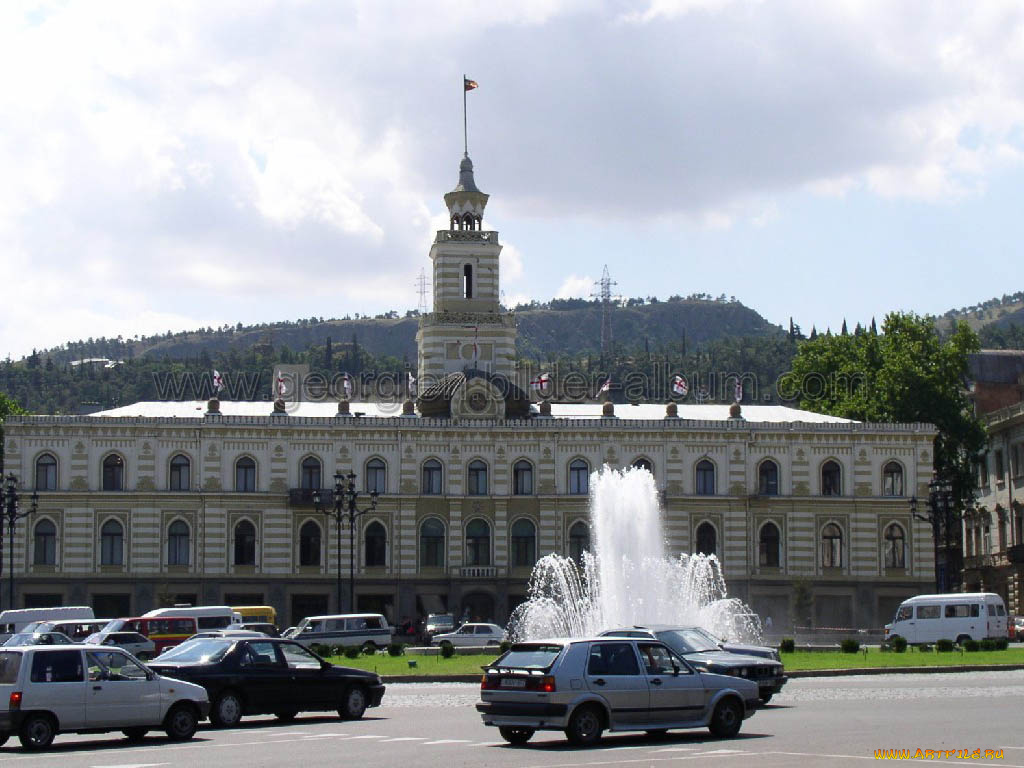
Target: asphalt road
[(814, 722)]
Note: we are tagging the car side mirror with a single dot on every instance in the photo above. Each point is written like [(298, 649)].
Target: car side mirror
[(150, 674), (675, 670)]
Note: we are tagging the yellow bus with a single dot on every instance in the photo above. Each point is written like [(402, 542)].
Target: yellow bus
[(256, 614)]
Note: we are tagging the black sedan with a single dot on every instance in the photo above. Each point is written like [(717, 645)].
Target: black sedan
[(265, 675)]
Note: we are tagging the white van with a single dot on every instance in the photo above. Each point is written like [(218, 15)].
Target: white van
[(206, 616), (955, 616), (362, 629), (16, 619)]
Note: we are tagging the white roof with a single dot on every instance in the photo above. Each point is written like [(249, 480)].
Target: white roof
[(328, 409)]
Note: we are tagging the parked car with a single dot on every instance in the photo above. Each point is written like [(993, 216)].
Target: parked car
[(705, 654), (138, 646), (39, 638), (269, 675), (87, 689), (1015, 628), (367, 630), (764, 651), (585, 686), (439, 624), (471, 635)]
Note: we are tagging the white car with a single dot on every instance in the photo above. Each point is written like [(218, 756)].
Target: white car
[(45, 690), (137, 645), (469, 635)]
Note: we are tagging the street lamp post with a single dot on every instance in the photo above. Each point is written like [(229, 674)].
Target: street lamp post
[(344, 509), (10, 512), (939, 513)]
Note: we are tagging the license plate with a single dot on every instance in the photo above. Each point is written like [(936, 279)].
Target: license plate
[(512, 683)]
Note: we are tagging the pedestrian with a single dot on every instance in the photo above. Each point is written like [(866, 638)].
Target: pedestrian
[(768, 623)]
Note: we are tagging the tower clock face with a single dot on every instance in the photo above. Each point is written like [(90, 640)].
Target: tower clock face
[(477, 402)]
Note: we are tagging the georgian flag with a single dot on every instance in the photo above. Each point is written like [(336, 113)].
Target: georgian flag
[(541, 382), (412, 384), (218, 382), (346, 385), (606, 387), (739, 390), (679, 386), (280, 384)]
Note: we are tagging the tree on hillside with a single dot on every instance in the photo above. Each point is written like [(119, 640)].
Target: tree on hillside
[(8, 407), (906, 374)]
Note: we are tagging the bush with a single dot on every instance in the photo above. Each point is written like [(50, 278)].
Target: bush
[(971, 646), (352, 652), (850, 645), (788, 645), (944, 646), (447, 650), (505, 645), (1002, 643), (320, 650), (899, 644), (396, 649), (988, 644)]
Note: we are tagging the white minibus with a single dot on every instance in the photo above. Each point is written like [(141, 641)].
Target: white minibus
[(206, 616), (16, 619), (956, 616), (362, 629)]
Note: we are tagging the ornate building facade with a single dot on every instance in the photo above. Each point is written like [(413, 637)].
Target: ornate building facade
[(162, 502)]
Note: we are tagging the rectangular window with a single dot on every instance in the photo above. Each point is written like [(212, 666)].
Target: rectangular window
[(1015, 459), (904, 613), (57, 667), (613, 659), (959, 611), (999, 466), (928, 611)]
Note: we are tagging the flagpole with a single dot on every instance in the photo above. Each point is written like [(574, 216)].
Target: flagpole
[(465, 129)]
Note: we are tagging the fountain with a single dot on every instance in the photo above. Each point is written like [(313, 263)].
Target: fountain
[(628, 578)]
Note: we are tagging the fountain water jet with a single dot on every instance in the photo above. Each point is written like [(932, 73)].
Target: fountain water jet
[(628, 578)]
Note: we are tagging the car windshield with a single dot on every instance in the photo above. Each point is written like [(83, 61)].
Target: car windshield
[(529, 656), (198, 651), (440, 618), (707, 636), (684, 641)]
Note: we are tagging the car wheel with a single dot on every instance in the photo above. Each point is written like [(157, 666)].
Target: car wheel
[(766, 697), (585, 726), (227, 710), (37, 732), (286, 715), (135, 734), (180, 723), (446, 644), (726, 719), (960, 640), (369, 647), (515, 735), (353, 704)]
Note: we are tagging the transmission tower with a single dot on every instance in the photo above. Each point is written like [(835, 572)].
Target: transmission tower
[(421, 286), (605, 295)]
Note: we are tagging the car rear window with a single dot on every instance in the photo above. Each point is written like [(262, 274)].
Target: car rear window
[(10, 663), (529, 656)]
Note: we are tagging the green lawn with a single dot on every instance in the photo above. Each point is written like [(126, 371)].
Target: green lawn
[(470, 665), (912, 658)]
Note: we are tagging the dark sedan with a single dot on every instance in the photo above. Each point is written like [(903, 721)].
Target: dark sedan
[(264, 675)]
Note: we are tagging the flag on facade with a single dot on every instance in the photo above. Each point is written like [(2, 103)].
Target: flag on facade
[(476, 333), (346, 385), (739, 390), (280, 384), (470, 84), (218, 382), (541, 382), (679, 386), (606, 387), (412, 384)]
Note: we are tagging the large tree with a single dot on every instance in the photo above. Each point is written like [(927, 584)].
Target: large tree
[(7, 407), (906, 373)]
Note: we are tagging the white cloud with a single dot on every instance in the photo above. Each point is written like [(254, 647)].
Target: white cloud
[(576, 287)]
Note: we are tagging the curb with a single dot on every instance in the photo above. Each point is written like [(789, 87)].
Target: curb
[(791, 675)]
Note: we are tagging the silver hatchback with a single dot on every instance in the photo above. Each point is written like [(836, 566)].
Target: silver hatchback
[(586, 686)]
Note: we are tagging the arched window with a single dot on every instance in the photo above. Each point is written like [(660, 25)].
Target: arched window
[(177, 543), (376, 476), (579, 477), (643, 463), (895, 546), (456, 222), (768, 478), (705, 478), (522, 478), (831, 479), (477, 478), (478, 543), (892, 479), (467, 281), (44, 539), (46, 473), (579, 541), (113, 473), (768, 546), (433, 474), (309, 543), (311, 473), (245, 543), (112, 543), (468, 221), (524, 543), (707, 539), (245, 475), (376, 545), (432, 543), (180, 479), (832, 546)]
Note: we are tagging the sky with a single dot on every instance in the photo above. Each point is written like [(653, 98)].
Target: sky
[(169, 166)]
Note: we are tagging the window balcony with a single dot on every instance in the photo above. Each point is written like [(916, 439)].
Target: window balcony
[(303, 497), (476, 571)]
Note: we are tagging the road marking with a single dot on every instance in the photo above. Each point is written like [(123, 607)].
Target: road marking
[(446, 741), (130, 765), (365, 736), (322, 736), (675, 749), (406, 738)]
